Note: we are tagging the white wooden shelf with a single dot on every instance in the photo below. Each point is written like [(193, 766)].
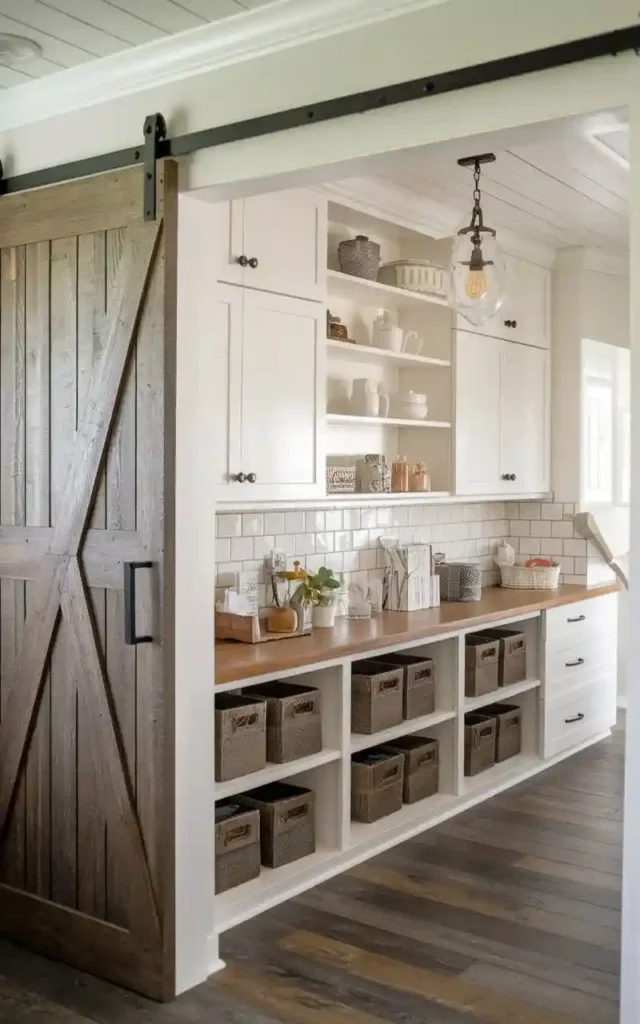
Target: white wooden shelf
[(370, 353), (275, 772), (382, 421), (362, 834), (360, 741), (272, 886), (374, 293), (502, 694), (388, 498), (501, 775)]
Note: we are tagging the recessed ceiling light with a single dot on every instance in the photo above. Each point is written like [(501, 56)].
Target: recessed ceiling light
[(14, 49)]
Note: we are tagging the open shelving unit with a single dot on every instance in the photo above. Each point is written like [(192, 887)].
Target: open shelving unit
[(341, 842), (357, 301)]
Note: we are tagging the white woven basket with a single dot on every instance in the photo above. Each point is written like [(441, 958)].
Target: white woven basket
[(537, 577), (415, 276)]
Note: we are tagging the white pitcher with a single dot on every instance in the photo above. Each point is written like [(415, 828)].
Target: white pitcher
[(387, 335), (366, 400)]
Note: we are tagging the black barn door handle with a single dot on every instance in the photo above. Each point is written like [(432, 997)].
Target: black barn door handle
[(130, 603)]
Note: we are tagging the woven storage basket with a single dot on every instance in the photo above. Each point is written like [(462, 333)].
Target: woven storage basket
[(537, 577)]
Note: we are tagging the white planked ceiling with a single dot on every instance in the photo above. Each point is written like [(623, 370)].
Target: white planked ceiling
[(73, 32), (555, 185)]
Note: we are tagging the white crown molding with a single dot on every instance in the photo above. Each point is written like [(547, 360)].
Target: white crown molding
[(377, 197), (230, 40), (580, 258)]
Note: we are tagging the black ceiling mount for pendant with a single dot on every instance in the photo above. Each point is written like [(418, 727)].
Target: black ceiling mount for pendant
[(476, 226), (500, 70)]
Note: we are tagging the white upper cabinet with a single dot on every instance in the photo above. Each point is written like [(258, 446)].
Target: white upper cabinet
[(270, 396), (525, 315), (477, 416), (502, 417), (276, 243)]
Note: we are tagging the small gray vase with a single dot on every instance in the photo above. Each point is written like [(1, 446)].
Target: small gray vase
[(359, 257)]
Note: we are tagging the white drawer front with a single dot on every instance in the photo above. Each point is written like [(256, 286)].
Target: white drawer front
[(584, 712), (582, 620), (582, 662)]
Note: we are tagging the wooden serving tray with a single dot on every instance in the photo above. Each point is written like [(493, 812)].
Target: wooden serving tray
[(250, 629)]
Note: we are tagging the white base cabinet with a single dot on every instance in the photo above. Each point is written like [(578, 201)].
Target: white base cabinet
[(269, 395), (502, 418)]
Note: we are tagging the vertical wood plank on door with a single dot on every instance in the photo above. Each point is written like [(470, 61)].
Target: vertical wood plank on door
[(64, 308), (38, 778), (149, 489), (120, 492), (12, 509), (91, 869)]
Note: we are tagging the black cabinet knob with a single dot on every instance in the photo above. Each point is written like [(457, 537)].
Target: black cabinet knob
[(514, 323), (253, 262), (251, 477), (505, 476), (513, 476), (507, 323), (242, 260), (239, 478)]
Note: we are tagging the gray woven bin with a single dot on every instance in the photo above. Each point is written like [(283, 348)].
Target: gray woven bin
[(240, 736), (376, 784), (512, 664), (482, 668), (294, 720), (287, 821), (419, 683), (376, 696), (421, 766), (237, 847), (479, 743)]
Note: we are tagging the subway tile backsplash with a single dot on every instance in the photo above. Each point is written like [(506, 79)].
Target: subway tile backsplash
[(347, 540)]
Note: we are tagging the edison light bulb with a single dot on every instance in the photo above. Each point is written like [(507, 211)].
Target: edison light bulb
[(476, 284)]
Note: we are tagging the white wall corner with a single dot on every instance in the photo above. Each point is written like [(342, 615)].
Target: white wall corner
[(230, 40)]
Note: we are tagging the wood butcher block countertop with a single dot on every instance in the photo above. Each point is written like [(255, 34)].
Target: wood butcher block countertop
[(236, 662)]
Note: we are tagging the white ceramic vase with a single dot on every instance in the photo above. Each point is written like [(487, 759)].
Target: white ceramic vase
[(324, 615)]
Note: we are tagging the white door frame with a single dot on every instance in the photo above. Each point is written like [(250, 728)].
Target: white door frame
[(299, 157)]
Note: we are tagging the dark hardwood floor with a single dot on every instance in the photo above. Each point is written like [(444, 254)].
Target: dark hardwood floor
[(508, 915)]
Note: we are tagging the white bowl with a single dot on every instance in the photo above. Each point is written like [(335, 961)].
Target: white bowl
[(401, 410)]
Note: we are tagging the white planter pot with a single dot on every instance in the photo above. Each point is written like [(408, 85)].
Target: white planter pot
[(324, 615)]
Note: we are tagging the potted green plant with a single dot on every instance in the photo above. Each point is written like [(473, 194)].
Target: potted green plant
[(319, 591)]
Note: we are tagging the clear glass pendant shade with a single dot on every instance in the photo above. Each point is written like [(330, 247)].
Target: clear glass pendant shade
[(477, 277)]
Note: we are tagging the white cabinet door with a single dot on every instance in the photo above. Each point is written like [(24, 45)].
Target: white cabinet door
[(477, 417), (524, 416), (282, 397), (286, 233), (226, 334), (531, 310), (229, 226)]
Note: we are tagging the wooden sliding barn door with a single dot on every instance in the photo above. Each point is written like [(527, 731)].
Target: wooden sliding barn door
[(87, 333)]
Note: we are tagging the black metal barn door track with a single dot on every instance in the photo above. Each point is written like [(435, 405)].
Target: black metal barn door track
[(156, 145)]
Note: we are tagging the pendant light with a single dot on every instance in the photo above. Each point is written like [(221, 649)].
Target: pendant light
[(477, 272)]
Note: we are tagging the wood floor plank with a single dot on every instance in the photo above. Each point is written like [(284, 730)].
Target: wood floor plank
[(534, 964), (587, 1009), (558, 870), (289, 1002), (489, 1007), (455, 894)]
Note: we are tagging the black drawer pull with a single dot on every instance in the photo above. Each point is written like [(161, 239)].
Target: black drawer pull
[(574, 664), (577, 718), (130, 634), (578, 618)]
